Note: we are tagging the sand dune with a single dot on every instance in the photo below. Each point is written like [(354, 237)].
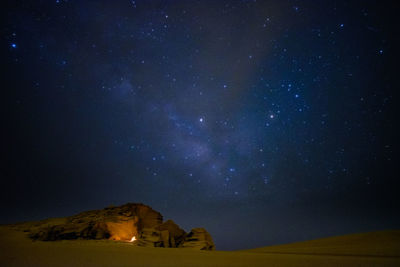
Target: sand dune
[(382, 243), (369, 249)]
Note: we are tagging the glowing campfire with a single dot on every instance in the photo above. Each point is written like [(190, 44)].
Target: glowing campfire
[(133, 238)]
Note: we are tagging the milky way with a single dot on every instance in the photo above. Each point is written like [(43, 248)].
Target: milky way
[(270, 118)]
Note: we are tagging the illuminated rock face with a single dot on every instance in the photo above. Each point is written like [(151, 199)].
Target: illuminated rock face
[(123, 230), (115, 223), (122, 223)]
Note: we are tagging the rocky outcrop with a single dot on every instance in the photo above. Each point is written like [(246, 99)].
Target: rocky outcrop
[(176, 235), (199, 238), (115, 223), (121, 224), (167, 234)]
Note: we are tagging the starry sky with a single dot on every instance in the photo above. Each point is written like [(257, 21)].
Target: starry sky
[(263, 121)]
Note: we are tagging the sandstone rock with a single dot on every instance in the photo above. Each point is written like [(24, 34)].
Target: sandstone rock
[(123, 230), (121, 224), (176, 234), (199, 238), (165, 238), (116, 223), (172, 242), (150, 237)]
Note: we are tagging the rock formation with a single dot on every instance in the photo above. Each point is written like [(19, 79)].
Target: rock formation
[(176, 235), (199, 238), (121, 223)]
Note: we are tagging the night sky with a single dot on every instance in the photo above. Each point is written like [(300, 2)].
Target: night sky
[(262, 121)]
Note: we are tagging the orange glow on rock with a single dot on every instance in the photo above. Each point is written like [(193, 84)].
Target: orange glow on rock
[(123, 231)]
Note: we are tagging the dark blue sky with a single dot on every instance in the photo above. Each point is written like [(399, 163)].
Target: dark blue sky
[(268, 120)]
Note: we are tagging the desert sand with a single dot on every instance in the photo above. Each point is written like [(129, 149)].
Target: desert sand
[(368, 249)]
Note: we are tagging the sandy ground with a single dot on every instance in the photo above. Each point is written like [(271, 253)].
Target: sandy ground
[(18, 250)]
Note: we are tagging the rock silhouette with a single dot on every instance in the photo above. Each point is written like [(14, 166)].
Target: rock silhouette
[(121, 224)]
